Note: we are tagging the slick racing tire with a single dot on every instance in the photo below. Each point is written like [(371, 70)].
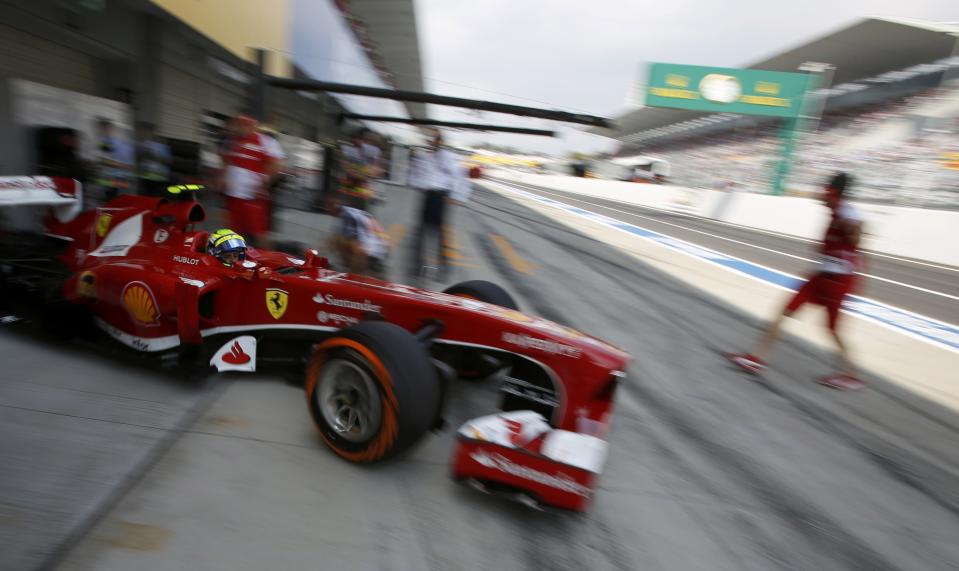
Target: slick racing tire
[(483, 291), (61, 319), (372, 391), (472, 364)]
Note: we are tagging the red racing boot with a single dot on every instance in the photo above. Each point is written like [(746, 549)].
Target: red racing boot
[(745, 361), (842, 382)]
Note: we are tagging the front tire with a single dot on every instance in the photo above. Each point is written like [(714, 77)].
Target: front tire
[(372, 391), (470, 364), (483, 291)]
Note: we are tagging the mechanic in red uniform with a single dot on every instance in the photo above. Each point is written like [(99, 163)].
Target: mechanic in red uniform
[(251, 160), (834, 279)]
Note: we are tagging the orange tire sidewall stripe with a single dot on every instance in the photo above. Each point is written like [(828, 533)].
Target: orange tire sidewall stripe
[(389, 428)]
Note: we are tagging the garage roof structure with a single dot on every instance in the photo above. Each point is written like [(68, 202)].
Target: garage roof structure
[(392, 25)]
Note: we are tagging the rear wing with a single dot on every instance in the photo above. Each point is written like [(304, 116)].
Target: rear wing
[(63, 195)]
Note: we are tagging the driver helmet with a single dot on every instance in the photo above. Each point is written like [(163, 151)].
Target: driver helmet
[(227, 246), (836, 188)]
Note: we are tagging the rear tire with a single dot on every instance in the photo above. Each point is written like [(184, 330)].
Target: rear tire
[(372, 391), (62, 319)]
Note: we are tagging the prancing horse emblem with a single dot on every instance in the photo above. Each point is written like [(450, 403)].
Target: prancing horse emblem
[(276, 302), (103, 224)]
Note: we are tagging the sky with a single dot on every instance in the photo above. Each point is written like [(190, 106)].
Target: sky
[(587, 56)]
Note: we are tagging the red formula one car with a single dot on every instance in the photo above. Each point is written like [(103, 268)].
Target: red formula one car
[(378, 358)]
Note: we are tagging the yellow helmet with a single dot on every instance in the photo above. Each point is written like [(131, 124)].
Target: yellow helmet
[(225, 241)]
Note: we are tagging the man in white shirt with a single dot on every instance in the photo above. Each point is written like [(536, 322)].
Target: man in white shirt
[(436, 172)]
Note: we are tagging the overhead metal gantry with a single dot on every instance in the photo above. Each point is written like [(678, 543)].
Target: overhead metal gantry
[(264, 80), (450, 124)]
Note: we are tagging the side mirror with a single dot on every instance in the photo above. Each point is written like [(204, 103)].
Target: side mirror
[(314, 260), (164, 220)]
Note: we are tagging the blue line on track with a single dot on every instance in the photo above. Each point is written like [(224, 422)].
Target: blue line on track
[(943, 334)]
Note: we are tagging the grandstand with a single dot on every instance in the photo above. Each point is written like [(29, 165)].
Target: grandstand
[(891, 118)]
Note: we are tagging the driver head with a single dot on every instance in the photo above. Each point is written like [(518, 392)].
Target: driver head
[(227, 246), (835, 189)]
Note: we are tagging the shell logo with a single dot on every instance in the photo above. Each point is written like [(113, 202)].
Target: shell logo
[(139, 302)]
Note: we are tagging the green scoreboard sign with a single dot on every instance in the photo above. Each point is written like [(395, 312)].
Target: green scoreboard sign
[(727, 90)]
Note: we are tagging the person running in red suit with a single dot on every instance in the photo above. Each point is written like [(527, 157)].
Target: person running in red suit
[(251, 160), (835, 278)]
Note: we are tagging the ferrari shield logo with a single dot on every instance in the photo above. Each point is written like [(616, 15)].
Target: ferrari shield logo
[(103, 224), (276, 302)]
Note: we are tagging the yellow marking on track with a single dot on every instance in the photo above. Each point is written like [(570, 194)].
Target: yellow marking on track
[(137, 536), (225, 421), (451, 251), (451, 246), (396, 233), (463, 264), (514, 259)]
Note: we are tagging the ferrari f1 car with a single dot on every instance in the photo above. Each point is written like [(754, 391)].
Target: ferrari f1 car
[(378, 358)]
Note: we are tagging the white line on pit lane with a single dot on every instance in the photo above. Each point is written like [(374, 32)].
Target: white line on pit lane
[(675, 242), (872, 276), (535, 188)]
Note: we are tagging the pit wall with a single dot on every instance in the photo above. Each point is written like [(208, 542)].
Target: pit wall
[(919, 233)]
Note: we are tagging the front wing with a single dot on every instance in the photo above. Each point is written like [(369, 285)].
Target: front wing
[(519, 453)]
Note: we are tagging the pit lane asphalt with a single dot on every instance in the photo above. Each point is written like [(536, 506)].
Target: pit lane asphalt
[(708, 469), (78, 427), (893, 275)]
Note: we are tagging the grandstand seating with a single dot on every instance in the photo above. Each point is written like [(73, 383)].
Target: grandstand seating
[(899, 150)]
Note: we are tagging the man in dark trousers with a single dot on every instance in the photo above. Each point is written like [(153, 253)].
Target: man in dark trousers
[(435, 171)]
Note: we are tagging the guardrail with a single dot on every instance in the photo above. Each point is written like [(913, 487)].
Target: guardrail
[(919, 233)]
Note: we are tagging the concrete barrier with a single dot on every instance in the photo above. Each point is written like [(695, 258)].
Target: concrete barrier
[(920, 233)]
